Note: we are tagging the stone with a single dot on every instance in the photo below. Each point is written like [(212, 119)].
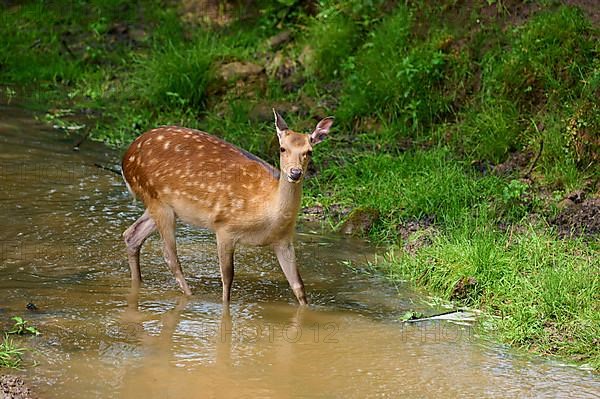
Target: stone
[(279, 39), (463, 288), (360, 221), (239, 70)]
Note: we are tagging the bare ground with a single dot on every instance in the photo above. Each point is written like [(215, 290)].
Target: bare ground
[(579, 219), (14, 387)]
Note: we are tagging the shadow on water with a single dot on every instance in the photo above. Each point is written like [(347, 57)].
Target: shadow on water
[(61, 249)]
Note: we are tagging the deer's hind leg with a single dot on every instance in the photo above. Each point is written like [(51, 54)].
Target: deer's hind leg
[(134, 237)]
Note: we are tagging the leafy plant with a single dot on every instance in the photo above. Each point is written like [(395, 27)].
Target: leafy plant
[(514, 191), (21, 328), (411, 315)]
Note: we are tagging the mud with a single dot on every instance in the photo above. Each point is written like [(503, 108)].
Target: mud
[(416, 234), (14, 387), (579, 219)]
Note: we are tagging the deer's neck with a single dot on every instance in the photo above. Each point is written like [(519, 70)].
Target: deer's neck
[(288, 198)]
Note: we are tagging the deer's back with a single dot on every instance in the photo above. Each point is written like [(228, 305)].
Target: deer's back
[(205, 179)]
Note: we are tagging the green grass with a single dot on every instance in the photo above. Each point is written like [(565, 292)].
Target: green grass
[(548, 58), (332, 37), (542, 73), (394, 76), (545, 291), (410, 186), (428, 99), (10, 353)]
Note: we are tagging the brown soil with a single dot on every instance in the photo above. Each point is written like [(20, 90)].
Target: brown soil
[(360, 221), (579, 219), (589, 8), (317, 212), (463, 288), (13, 387), (515, 163), (416, 234)]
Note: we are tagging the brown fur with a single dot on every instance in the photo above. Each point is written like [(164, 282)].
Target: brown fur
[(208, 181), (187, 174)]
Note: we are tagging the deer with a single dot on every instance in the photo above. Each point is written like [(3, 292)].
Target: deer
[(189, 175)]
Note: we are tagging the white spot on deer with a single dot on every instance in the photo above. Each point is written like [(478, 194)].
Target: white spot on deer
[(166, 190), (195, 198), (160, 137), (239, 203), (187, 153), (167, 145), (132, 158)]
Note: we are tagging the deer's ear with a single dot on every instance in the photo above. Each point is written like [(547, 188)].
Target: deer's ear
[(322, 130), (280, 124)]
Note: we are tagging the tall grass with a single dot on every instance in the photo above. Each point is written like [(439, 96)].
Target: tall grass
[(545, 291), (176, 75), (10, 353), (531, 90), (333, 38), (409, 186)]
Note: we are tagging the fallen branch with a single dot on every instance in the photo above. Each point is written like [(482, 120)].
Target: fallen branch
[(115, 171)]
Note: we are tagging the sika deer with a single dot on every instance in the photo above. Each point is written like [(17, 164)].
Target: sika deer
[(205, 181)]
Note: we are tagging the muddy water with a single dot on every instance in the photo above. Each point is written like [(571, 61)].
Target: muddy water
[(61, 220)]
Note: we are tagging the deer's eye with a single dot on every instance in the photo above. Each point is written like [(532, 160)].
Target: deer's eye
[(309, 153), (281, 149)]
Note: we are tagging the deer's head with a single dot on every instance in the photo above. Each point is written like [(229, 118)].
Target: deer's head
[(295, 149)]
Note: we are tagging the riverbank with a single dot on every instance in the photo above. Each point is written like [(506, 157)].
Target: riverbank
[(467, 135)]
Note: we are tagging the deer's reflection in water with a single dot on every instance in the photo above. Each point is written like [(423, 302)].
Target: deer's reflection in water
[(212, 352)]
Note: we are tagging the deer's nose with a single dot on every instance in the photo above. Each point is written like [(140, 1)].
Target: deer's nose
[(295, 173)]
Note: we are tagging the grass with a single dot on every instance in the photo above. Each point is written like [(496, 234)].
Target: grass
[(394, 75), (428, 98), (544, 291), (10, 353), (410, 186)]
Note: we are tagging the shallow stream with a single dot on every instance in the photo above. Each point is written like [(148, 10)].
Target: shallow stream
[(61, 249)]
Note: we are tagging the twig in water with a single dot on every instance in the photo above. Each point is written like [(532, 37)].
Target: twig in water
[(115, 171)]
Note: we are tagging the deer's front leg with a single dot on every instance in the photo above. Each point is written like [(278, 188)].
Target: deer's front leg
[(287, 260), (225, 246), (165, 222)]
